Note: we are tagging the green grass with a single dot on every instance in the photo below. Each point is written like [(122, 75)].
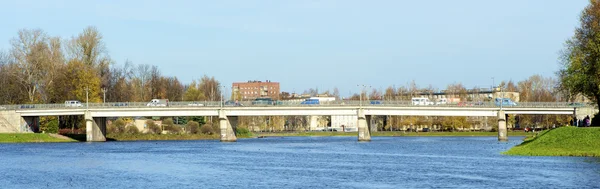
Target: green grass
[(130, 137), (394, 133), (30, 137), (564, 141)]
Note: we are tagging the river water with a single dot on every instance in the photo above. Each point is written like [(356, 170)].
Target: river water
[(291, 162)]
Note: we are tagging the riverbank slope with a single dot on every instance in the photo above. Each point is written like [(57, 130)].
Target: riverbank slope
[(31, 137), (564, 141)]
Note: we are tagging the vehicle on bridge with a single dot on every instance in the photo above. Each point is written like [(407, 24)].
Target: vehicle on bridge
[(195, 104), (233, 103), (120, 104), (24, 106), (577, 104), (504, 102), (158, 102), (310, 101), (421, 101), (263, 101), (73, 103), (376, 102)]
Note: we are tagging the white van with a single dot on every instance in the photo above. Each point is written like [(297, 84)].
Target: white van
[(421, 101), (441, 101), (73, 103), (158, 102)]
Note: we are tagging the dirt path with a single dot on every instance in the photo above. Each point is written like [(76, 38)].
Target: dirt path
[(59, 136)]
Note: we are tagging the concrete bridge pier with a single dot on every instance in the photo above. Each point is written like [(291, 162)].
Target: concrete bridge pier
[(95, 128), (313, 123), (502, 130), (364, 134), (227, 124)]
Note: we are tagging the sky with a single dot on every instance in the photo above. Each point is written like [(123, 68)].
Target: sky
[(318, 44)]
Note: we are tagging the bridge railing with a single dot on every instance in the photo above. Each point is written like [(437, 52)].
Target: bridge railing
[(339, 103)]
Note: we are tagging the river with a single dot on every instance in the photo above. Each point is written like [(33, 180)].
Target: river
[(291, 162)]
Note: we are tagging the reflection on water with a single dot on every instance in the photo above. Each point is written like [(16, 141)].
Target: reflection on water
[(291, 162)]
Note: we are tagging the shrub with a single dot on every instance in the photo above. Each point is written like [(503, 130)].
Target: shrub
[(153, 127), (192, 127), (207, 129), (50, 126), (242, 131), (117, 126), (170, 126), (132, 129)]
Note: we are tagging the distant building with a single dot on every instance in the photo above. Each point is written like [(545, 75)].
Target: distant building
[(255, 89)]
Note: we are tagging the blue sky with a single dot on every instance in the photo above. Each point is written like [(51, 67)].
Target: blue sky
[(319, 44)]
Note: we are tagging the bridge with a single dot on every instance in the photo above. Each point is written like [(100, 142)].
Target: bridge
[(96, 114)]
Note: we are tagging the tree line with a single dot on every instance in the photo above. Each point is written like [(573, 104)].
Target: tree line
[(39, 68)]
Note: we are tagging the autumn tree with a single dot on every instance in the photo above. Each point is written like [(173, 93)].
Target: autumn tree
[(36, 58), (580, 72)]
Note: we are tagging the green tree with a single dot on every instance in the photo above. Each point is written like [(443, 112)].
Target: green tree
[(580, 72)]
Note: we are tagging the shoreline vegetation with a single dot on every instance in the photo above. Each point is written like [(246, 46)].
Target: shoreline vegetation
[(564, 141), (44, 137)]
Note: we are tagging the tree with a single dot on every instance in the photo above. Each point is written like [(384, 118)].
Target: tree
[(36, 61), (580, 72), (192, 127), (153, 128)]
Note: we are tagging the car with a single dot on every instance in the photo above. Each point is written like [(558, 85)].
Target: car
[(374, 102), (425, 130), (233, 103), (73, 103), (576, 104), (195, 104), (310, 101), (263, 101), (504, 102), (24, 106), (120, 104), (2, 108)]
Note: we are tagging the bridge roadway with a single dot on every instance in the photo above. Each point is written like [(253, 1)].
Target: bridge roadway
[(96, 114)]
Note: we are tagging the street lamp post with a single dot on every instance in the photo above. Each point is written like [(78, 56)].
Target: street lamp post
[(360, 95), (222, 98), (104, 95), (87, 89)]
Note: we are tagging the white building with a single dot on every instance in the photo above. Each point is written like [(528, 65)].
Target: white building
[(348, 123)]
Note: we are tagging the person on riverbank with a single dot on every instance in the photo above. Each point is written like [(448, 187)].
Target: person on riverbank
[(586, 121)]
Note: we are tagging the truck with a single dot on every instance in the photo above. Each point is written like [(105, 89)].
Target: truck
[(158, 102)]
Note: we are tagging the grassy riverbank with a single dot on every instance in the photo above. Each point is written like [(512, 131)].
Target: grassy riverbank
[(394, 133), (132, 137), (564, 141), (31, 137)]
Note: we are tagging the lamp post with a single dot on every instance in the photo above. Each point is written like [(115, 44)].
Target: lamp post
[(222, 98), (87, 89), (502, 97), (360, 95), (104, 95)]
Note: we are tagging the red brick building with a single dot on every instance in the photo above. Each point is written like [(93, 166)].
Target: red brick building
[(255, 89)]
